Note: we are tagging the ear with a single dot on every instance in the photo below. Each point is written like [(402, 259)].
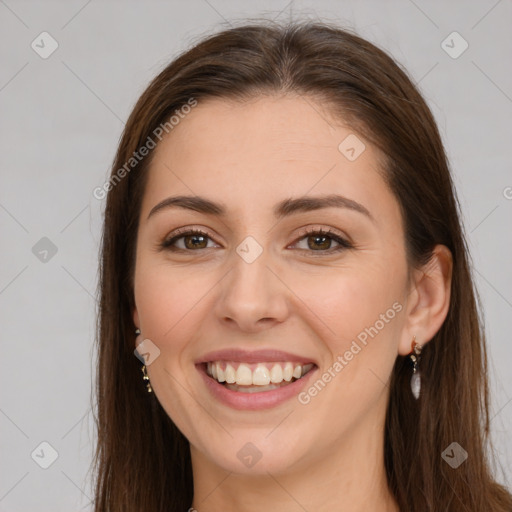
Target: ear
[(428, 300)]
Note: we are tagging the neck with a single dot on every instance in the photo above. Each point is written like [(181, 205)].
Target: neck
[(348, 476)]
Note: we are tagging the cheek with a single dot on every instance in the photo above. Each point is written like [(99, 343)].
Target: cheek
[(166, 297), (363, 313), (358, 317), (350, 300), (169, 305)]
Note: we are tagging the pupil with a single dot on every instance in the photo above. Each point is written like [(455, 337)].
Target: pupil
[(325, 243), (193, 244)]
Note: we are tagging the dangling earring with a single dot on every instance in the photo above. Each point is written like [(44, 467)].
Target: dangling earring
[(145, 376), (416, 377)]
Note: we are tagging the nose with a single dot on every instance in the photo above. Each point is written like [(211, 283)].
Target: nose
[(251, 296)]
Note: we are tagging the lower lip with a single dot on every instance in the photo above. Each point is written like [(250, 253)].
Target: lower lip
[(254, 401)]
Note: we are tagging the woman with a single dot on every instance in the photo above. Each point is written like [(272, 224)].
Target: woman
[(283, 252)]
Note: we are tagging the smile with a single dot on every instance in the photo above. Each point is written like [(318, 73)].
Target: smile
[(256, 377), (254, 380)]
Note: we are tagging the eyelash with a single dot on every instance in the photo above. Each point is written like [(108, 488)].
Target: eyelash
[(343, 244)]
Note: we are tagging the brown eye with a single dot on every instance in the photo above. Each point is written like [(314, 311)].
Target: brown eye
[(188, 241), (321, 241), (195, 241)]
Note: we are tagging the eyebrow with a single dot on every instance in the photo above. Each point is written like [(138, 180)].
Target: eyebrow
[(282, 209)]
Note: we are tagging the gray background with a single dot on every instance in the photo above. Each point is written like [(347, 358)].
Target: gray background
[(61, 120)]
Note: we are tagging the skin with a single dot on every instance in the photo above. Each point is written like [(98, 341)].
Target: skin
[(327, 454)]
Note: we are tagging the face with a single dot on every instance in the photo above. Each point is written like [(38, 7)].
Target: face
[(298, 304)]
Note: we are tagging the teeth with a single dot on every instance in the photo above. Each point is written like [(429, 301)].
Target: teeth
[(288, 372), (221, 376), (264, 375), (252, 389), (306, 368), (260, 376), (244, 376), (276, 374), (230, 374)]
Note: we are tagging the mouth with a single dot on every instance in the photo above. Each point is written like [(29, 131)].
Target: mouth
[(261, 377), (254, 380)]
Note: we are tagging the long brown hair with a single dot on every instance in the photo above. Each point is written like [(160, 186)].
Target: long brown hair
[(142, 460)]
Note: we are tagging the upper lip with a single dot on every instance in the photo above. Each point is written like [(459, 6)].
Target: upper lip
[(253, 356)]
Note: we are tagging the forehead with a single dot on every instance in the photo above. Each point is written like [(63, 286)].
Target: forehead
[(271, 124), (256, 152)]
